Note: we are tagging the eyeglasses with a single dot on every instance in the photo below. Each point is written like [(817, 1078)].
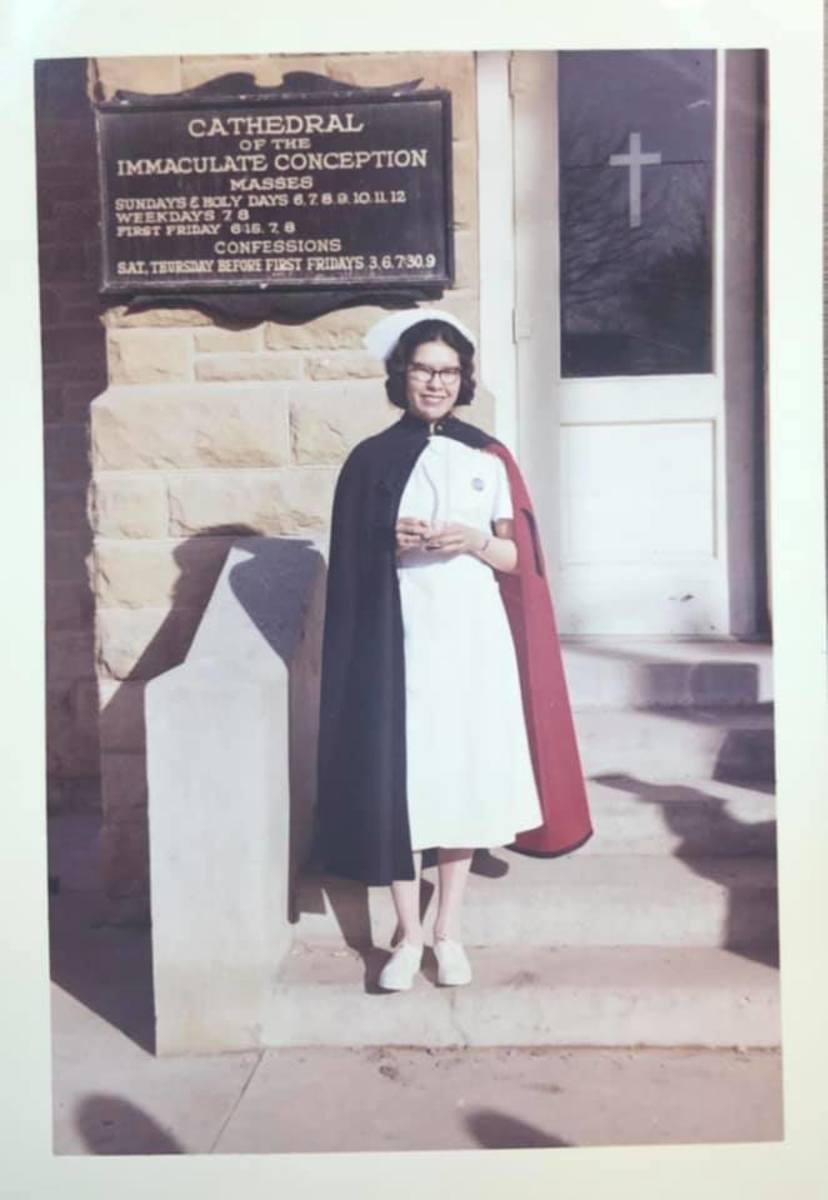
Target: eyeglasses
[(448, 376)]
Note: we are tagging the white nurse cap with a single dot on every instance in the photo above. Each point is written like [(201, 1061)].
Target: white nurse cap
[(381, 338)]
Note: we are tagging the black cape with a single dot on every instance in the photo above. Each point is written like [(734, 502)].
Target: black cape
[(362, 814)]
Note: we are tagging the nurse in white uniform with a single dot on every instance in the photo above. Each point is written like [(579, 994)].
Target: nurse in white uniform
[(470, 782)]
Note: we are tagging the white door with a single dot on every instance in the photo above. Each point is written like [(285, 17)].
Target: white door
[(636, 408)]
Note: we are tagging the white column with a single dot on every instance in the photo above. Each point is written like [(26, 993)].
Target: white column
[(497, 231)]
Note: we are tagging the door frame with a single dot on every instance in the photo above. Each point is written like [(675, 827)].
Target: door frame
[(513, 232)]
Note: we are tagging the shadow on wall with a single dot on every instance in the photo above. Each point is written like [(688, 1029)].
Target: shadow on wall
[(258, 584), (74, 372), (281, 588), (125, 833), (110, 970)]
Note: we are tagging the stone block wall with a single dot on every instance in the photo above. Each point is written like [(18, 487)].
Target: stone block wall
[(205, 433)]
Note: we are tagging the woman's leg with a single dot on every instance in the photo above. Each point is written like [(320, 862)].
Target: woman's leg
[(406, 894), (399, 972), (453, 871)]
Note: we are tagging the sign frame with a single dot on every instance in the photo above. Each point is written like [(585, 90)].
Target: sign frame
[(245, 302)]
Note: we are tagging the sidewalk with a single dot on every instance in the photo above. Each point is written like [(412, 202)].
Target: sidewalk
[(112, 1096)]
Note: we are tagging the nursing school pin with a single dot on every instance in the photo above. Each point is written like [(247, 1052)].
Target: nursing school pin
[(478, 484)]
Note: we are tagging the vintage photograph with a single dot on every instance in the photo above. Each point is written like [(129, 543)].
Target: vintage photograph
[(409, 635)]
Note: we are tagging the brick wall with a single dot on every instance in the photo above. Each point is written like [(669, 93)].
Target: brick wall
[(205, 432), (74, 372)]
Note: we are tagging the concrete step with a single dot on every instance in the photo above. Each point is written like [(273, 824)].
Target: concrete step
[(611, 672), (695, 819), (582, 900), (561, 997), (675, 744)]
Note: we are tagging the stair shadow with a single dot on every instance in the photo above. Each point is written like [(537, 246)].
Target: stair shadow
[(488, 865), (713, 682), (746, 754), (349, 902), (667, 681), (679, 818)]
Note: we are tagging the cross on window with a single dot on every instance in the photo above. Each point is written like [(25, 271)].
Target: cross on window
[(635, 160)]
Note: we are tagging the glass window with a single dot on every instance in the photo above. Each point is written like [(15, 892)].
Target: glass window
[(636, 152)]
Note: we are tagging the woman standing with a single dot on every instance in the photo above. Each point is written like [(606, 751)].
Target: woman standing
[(444, 717)]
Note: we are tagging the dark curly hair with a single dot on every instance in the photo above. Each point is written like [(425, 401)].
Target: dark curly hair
[(429, 330)]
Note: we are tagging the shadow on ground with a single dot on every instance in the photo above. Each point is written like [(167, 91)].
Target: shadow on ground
[(111, 1125), (495, 1130), (106, 967)]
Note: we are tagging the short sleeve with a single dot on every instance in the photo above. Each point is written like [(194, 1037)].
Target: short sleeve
[(502, 499)]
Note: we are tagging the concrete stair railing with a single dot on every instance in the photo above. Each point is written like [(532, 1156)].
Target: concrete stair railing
[(231, 745)]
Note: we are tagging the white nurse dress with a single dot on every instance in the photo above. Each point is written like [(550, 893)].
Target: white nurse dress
[(469, 773)]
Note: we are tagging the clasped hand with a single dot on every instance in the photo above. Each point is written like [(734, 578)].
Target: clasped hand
[(454, 538)]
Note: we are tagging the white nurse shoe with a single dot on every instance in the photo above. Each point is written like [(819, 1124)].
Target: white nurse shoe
[(453, 968), (398, 973)]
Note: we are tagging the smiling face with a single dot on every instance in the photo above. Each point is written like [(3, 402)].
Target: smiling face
[(428, 395)]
